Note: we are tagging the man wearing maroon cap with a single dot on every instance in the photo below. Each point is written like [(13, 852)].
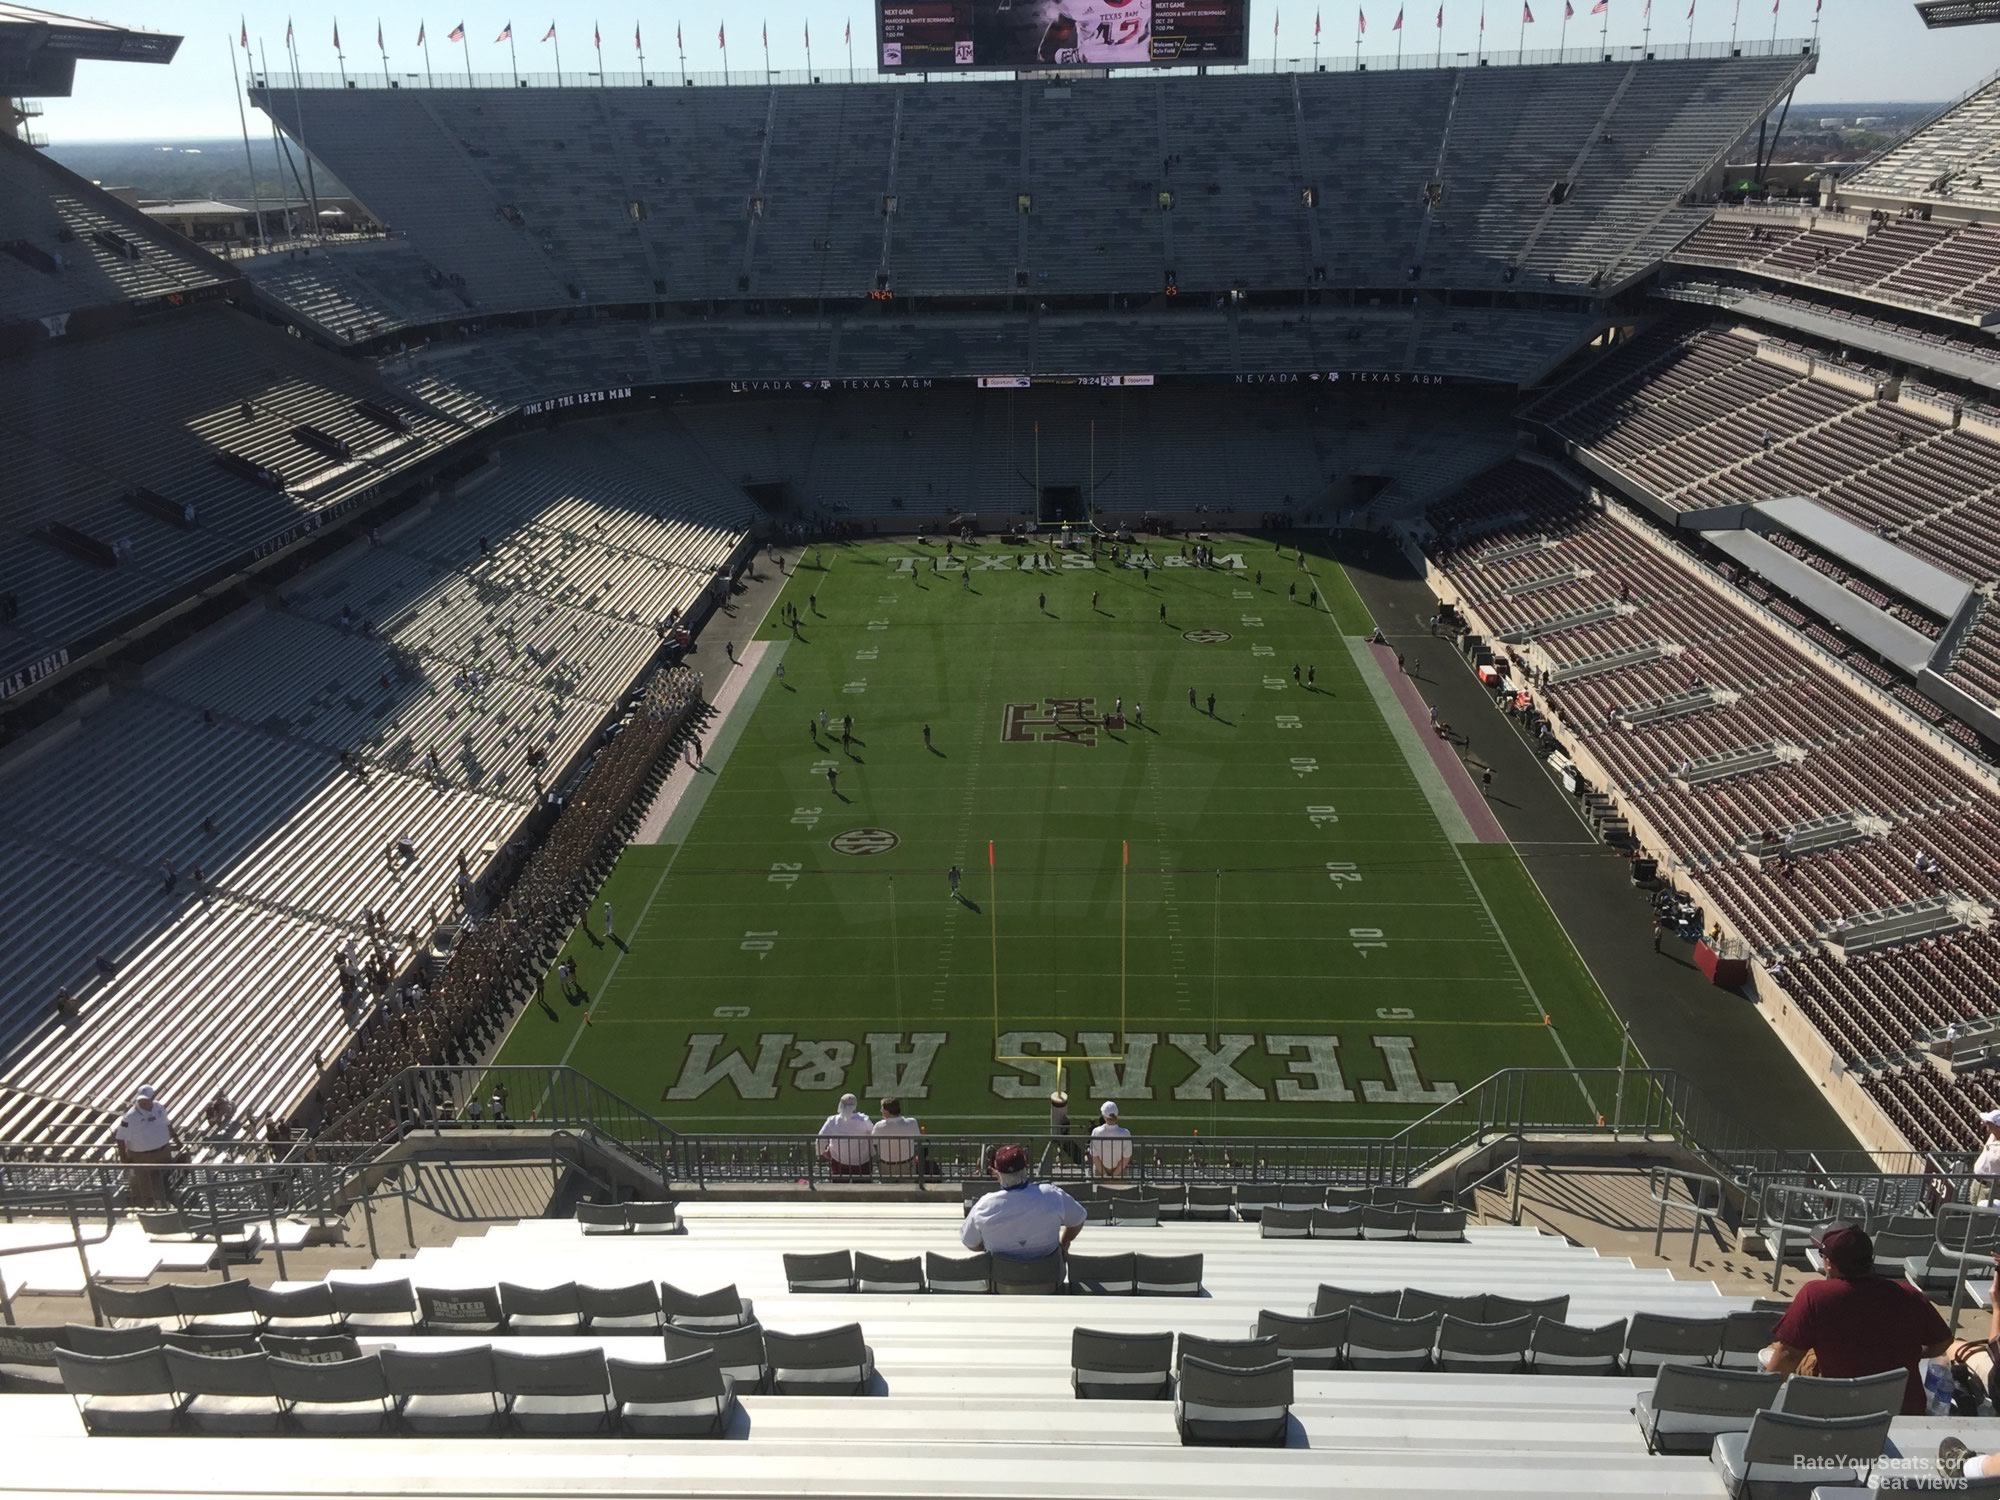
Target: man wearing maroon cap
[(1857, 1323), (1025, 1220)]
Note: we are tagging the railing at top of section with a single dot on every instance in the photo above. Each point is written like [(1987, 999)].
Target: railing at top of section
[(427, 1106), (1333, 60)]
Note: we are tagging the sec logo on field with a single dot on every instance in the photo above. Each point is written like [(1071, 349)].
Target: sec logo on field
[(863, 841), (1205, 637)]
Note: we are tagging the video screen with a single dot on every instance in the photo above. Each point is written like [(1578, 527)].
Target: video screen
[(940, 36)]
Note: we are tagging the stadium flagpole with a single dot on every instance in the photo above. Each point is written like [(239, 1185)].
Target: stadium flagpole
[(1733, 20), (299, 114), (424, 41), (1274, 41), (243, 119), (1562, 41), (850, 51), (340, 57), (552, 37), (1646, 33), (809, 49), (722, 41), (639, 41), (513, 61), (382, 46), (1481, 54), (767, 50), (1691, 5), (1604, 33), (1774, 21), (681, 47), (597, 41), (1521, 44), (1440, 53)]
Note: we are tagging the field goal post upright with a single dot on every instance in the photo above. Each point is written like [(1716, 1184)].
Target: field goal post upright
[(1063, 1060)]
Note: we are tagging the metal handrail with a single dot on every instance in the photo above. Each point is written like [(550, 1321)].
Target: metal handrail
[(1660, 1182), (1787, 1194), (68, 1202)]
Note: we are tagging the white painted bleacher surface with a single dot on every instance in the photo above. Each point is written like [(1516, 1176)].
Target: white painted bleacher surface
[(589, 544), (974, 1395)]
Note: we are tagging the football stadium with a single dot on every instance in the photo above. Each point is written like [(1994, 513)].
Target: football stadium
[(1400, 680)]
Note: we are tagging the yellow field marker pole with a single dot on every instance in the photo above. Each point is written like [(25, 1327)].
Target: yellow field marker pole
[(993, 912), (1124, 878)]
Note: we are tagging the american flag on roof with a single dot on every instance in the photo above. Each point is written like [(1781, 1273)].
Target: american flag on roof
[(1600, 8), (550, 32), (244, 41), (506, 33), (1527, 16), (336, 36), (457, 33), (1399, 19)]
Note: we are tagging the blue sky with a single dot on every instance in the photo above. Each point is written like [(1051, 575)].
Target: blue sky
[(1874, 49)]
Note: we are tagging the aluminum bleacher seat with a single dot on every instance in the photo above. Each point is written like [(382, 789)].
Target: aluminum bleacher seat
[(1783, 1454), (686, 1397), (1121, 1366), (1231, 1404), (333, 1398), (1689, 1407), (739, 1351), (831, 1362)]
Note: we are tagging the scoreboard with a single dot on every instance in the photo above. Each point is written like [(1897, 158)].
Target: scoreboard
[(940, 36)]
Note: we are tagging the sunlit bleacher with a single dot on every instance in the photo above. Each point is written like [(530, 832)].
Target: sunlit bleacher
[(213, 832)]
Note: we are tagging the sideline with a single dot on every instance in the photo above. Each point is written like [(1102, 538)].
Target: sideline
[(1454, 800), (680, 797)]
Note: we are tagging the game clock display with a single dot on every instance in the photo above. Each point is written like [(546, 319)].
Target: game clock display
[(938, 36)]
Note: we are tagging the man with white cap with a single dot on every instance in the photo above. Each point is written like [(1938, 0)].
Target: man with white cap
[(1986, 1166), (846, 1140), (1110, 1144), (1025, 1220), (145, 1134)]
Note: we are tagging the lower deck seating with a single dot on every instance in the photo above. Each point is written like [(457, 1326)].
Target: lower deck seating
[(1841, 756), (210, 840)]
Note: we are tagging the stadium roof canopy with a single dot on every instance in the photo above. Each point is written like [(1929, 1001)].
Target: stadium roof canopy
[(39, 50), (1938, 13)]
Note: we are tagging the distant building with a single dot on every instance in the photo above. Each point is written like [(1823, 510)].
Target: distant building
[(210, 221), (1867, 120)]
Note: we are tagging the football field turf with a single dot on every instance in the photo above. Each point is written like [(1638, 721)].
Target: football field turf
[(1268, 919)]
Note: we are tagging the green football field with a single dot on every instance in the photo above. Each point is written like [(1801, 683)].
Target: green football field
[(1261, 920)]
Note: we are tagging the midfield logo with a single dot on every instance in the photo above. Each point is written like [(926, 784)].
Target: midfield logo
[(1056, 721)]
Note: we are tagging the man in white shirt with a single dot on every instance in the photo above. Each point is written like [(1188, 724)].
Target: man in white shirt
[(1025, 1220), (1110, 1144), (844, 1140), (896, 1141), (1986, 1166), (145, 1134)]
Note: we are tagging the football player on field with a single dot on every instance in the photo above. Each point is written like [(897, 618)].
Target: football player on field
[(1099, 31)]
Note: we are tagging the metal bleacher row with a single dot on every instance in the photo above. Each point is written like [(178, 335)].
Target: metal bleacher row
[(354, 290), (1840, 756), (1953, 269), (1685, 410), (99, 444), (884, 1390), (66, 245), (555, 197), (546, 582), (1953, 162)]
